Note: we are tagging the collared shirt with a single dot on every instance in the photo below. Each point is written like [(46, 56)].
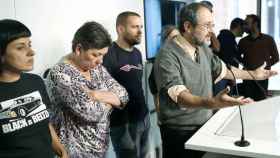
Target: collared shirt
[(257, 51)]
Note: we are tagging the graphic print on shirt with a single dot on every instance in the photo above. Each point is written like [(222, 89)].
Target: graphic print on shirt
[(21, 112), (128, 67)]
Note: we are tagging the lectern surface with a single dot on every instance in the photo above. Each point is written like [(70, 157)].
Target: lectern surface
[(262, 129)]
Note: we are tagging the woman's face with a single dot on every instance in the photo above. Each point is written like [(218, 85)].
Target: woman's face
[(91, 58), (19, 55)]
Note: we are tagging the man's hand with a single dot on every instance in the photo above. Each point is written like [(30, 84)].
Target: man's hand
[(261, 74), (222, 99)]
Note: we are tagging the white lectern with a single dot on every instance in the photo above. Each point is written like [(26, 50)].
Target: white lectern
[(262, 130)]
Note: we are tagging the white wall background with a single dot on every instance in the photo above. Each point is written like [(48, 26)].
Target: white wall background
[(6, 9), (226, 11), (54, 22)]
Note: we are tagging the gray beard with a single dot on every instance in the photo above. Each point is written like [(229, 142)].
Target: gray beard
[(198, 43)]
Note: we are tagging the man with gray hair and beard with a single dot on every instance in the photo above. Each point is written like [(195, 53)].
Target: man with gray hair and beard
[(184, 71)]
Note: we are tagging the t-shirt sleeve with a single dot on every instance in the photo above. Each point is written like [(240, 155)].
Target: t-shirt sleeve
[(108, 61), (274, 56), (46, 98), (44, 94)]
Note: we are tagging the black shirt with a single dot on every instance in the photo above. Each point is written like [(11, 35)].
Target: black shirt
[(127, 68), (229, 49), (24, 119)]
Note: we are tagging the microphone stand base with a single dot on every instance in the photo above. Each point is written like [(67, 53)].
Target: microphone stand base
[(242, 143)]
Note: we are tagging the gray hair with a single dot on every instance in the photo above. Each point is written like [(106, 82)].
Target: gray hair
[(189, 13), (207, 4), (166, 31)]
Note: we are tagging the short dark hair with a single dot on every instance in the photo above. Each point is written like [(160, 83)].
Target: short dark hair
[(122, 17), (255, 19), (10, 30), (91, 35), (189, 13), (237, 22)]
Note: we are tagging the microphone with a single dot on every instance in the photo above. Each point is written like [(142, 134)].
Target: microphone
[(254, 79), (242, 142)]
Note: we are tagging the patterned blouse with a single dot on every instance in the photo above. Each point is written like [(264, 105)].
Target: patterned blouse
[(81, 122)]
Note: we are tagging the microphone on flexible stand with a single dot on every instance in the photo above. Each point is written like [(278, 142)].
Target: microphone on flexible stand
[(242, 142), (254, 79)]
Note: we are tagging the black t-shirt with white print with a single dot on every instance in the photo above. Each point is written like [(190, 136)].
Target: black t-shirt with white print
[(127, 68), (24, 119)]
